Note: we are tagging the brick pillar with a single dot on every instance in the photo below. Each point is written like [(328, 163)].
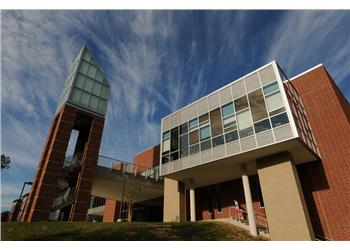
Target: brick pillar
[(42, 162), (111, 212), (16, 208), (87, 173), (45, 182)]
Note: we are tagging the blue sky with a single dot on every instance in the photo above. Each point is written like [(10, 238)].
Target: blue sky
[(155, 61)]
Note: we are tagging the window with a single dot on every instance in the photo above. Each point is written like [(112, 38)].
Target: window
[(204, 133), (217, 141), (174, 139), (194, 138), (274, 101), (279, 120), (204, 119), (229, 121), (241, 103), (244, 123), (205, 145), (228, 109), (174, 156), (166, 141), (262, 126), (257, 105), (165, 159), (183, 128), (231, 136), (194, 149), (277, 111), (216, 124), (184, 145), (193, 124), (271, 88)]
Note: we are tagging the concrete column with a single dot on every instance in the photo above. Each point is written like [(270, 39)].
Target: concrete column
[(192, 205), (285, 206), (174, 201), (248, 200)]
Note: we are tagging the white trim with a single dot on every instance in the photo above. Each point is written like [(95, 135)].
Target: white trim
[(306, 71), (285, 101)]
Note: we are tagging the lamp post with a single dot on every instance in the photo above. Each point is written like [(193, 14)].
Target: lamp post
[(20, 196)]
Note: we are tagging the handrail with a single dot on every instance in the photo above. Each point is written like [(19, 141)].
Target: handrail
[(257, 216), (128, 168)]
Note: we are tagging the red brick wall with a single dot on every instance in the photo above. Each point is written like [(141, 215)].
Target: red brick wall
[(326, 183), (230, 191), (148, 158), (111, 211)]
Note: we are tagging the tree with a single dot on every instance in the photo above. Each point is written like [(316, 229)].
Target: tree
[(5, 161), (131, 195)]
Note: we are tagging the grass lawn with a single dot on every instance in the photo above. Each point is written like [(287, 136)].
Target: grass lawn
[(123, 231)]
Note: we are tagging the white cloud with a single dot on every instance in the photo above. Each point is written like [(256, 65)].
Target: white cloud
[(303, 39)]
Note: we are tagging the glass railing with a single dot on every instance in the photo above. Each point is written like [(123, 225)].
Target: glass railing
[(128, 168), (123, 167)]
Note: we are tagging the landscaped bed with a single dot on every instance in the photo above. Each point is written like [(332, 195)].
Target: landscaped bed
[(123, 231)]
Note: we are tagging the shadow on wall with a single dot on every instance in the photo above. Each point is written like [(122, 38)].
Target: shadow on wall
[(313, 179)]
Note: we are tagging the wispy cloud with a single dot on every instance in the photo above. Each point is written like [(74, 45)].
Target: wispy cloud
[(303, 39), (155, 61)]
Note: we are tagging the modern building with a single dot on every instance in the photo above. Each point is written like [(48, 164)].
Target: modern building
[(265, 152)]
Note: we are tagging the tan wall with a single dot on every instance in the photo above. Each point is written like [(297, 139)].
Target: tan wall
[(285, 206), (174, 201)]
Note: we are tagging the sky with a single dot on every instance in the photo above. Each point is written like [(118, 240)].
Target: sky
[(155, 61)]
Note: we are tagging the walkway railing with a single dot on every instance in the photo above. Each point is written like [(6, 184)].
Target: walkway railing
[(124, 167), (241, 215), (127, 168)]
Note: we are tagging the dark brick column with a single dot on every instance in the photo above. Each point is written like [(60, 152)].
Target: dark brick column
[(39, 169), (87, 173), (46, 187)]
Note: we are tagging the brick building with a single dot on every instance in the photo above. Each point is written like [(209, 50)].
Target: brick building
[(262, 152)]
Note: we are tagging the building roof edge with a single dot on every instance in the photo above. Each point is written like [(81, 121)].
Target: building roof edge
[(306, 71)]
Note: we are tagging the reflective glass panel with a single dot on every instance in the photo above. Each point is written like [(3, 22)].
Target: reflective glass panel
[(279, 120), (183, 128), (84, 98), (228, 109), (205, 145), (262, 126), (215, 122), (204, 133), (174, 139), (241, 103), (184, 145), (274, 101), (231, 136), (257, 105), (194, 138), (270, 88), (194, 149), (217, 141)]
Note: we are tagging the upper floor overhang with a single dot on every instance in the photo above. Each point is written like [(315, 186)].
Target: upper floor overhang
[(255, 116)]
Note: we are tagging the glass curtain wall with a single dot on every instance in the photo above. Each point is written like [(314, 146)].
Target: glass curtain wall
[(255, 112)]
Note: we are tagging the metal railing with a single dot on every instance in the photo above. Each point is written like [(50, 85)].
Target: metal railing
[(127, 168), (65, 199), (241, 215), (72, 161)]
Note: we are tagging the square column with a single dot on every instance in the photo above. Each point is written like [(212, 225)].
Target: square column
[(249, 202), (174, 201), (285, 206)]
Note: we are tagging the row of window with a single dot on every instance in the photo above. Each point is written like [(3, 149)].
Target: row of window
[(243, 117)]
